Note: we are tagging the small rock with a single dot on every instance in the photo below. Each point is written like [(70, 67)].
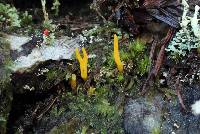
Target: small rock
[(142, 116)]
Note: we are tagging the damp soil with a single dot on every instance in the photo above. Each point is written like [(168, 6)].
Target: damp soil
[(31, 111), (22, 102)]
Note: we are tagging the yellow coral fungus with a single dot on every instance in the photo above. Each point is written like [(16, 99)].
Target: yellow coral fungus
[(116, 54), (83, 62), (73, 82)]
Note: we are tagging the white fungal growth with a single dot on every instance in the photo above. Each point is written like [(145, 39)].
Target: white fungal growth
[(196, 108), (185, 19), (194, 22)]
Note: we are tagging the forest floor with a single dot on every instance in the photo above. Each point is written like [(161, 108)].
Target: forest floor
[(36, 94)]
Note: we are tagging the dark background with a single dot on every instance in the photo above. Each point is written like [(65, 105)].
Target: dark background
[(66, 5)]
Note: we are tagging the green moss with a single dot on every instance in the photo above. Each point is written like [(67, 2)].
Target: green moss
[(6, 62), (143, 65), (124, 56), (66, 128), (52, 74), (97, 112), (5, 105), (55, 112), (136, 53), (120, 78), (9, 16), (5, 86), (26, 19), (56, 73), (102, 112), (106, 29), (156, 131), (136, 47), (55, 7), (198, 50), (111, 62)]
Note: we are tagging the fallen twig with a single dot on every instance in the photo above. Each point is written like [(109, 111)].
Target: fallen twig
[(161, 54), (96, 8), (159, 61), (178, 90), (46, 108), (152, 52)]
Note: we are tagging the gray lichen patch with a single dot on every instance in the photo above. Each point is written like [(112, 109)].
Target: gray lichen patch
[(16, 42), (61, 49), (188, 37), (143, 116)]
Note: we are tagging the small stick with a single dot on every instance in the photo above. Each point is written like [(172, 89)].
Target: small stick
[(116, 8), (152, 52), (47, 108), (178, 90), (161, 54), (159, 60), (35, 111)]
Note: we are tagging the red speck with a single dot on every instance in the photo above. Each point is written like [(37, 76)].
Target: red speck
[(46, 32)]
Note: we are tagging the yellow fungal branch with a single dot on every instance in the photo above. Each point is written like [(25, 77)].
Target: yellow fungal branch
[(73, 82), (116, 54), (83, 62)]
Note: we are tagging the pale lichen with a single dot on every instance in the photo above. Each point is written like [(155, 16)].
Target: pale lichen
[(196, 108), (188, 37), (194, 22)]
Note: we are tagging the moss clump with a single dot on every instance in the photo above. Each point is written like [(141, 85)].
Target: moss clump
[(106, 29), (124, 55), (156, 131), (98, 104), (110, 63), (66, 127), (26, 19), (100, 112), (56, 73), (55, 7), (143, 65), (5, 87), (5, 62), (120, 78), (136, 54), (97, 112), (9, 16)]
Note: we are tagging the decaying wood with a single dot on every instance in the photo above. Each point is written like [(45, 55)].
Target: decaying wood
[(152, 52), (96, 8), (153, 73), (178, 90), (161, 54), (153, 3), (131, 16)]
